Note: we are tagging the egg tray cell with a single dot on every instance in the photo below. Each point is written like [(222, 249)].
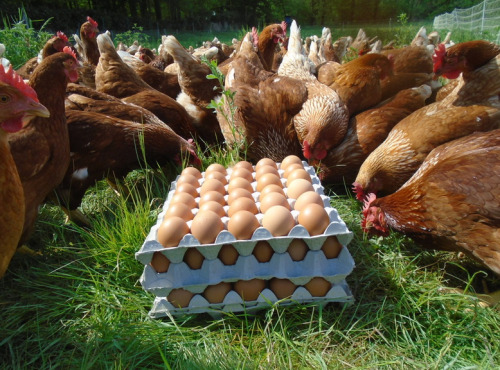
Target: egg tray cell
[(281, 266), (339, 292)]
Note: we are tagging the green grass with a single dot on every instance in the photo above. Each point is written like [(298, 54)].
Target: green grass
[(79, 303)]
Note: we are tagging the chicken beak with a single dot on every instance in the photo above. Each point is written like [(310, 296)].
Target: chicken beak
[(37, 109)]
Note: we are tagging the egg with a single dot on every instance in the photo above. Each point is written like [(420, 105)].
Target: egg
[(266, 169), (237, 183), (212, 185), (228, 254), (307, 198), (237, 194), (216, 167), (186, 188), (314, 218), (171, 231), (217, 292), (298, 187), (298, 174), (331, 247), (180, 297), (205, 227), (318, 286), (214, 196), (187, 178), (267, 179), (244, 164), (263, 251), (159, 262), (292, 167), (242, 204), (249, 290), (213, 206), (193, 258), (179, 210), (216, 176), (289, 160), (242, 225), (271, 188), (192, 171), (273, 199), (282, 288), (265, 162), (278, 220), (241, 172), (297, 249), (183, 198)]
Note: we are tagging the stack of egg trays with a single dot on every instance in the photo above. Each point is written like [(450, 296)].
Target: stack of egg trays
[(213, 271)]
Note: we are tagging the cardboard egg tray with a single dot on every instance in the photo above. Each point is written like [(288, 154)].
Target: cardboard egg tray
[(213, 271)]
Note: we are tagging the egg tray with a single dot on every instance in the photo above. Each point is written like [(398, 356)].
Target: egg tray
[(281, 265), (339, 292)]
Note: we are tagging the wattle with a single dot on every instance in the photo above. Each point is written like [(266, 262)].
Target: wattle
[(12, 125)]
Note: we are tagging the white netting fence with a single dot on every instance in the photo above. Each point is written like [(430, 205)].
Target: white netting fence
[(483, 18)]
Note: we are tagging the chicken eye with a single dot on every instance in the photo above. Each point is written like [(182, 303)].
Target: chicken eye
[(4, 98)]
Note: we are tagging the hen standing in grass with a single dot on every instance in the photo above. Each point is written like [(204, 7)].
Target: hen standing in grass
[(18, 104), (41, 150)]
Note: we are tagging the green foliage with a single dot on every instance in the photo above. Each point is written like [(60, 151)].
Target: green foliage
[(135, 34)]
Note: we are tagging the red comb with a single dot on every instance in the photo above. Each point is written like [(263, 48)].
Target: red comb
[(255, 36), (283, 26), (62, 36), (69, 51), (92, 22), (367, 202), (437, 57), (10, 77)]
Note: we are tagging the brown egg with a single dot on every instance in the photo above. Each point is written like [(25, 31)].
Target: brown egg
[(192, 171), (298, 187), (297, 249), (228, 254), (239, 193), (249, 290), (179, 210), (318, 286), (242, 225), (187, 178), (289, 160), (212, 196), (212, 185), (263, 251), (237, 183), (314, 218), (159, 262), (180, 297), (265, 162), (244, 164), (268, 179), (186, 188), (242, 204), (307, 198), (193, 258), (331, 247), (216, 176), (216, 167), (183, 198), (266, 169), (241, 172), (271, 188), (216, 293), (171, 231), (298, 174), (206, 226), (273, 199), (278, 220), (213, 206), (282, 288), (292, 167)]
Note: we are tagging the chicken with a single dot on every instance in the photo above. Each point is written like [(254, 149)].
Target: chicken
[(88, 36), (41, 150), (164, 82), (360, 45), (102, 146), (322, 122), (410, 59), (18, 105), (394, 161), (404, 80), (367, 130), (267, 41), (115, 77), (451, 203)]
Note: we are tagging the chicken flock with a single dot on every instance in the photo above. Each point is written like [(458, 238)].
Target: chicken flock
[(422, 157)]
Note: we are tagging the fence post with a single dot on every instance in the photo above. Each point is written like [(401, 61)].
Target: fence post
[(482, 19)]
